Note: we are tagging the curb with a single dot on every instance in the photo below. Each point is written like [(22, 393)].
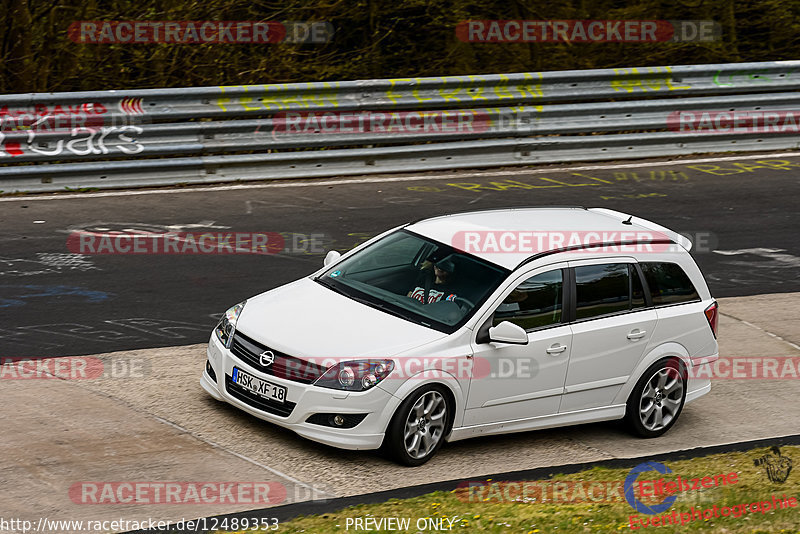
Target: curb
[(287, 512)]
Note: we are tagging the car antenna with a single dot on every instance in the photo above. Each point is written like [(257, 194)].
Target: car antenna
[(629, 220)]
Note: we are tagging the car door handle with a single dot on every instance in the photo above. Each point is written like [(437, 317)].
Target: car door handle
[(556, 349), (637, 334)]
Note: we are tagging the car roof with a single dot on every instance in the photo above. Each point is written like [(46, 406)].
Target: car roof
[(569, 221)]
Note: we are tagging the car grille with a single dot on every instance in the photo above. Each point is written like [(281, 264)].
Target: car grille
[(283, 409), (284, 366)]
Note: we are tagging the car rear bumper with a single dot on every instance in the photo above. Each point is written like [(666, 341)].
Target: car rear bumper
[(699, 382)]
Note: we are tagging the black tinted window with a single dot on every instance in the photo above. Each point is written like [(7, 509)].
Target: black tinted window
[(668, 283), (637, 290), (534, 303), (390, 276), (601, 289)]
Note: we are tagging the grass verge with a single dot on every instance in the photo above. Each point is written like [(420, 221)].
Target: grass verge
[(594, 501)]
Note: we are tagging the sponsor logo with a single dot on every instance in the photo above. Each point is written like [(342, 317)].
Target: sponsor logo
[(776, 466), (662, 486), (131, 106)]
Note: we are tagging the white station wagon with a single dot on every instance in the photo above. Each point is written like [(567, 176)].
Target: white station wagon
[(472, 324)]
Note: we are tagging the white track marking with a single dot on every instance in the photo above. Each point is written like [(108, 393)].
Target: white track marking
[(384, 179), (751, 325), (272, 470), (314, 490), (772, 254)]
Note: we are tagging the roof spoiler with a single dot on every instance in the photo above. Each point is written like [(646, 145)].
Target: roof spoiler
[(674, 236)]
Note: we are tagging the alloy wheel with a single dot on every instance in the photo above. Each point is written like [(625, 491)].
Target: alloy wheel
[(425, 424), (661, 399)]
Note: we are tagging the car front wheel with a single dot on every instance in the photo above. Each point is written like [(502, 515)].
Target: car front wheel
[(418, 427), (657, 400)]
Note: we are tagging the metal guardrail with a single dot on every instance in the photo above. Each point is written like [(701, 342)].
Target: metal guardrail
[(214, 134)]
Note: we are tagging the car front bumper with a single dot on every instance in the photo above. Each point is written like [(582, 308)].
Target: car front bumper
[(378, 404)]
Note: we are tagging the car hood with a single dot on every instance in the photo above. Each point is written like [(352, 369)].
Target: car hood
[(307, 320)]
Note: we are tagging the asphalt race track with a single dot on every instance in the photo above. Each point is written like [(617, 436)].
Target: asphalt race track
[(159, 309), (742, 210)]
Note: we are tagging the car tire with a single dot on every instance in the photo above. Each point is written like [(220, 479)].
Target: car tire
[(419, 426), (657, 399)]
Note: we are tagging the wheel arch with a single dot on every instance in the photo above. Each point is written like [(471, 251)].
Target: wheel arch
[(447, 383), (664, 351)]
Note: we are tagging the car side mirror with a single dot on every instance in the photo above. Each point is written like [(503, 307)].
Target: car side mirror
[(331, 257), (507, 332)]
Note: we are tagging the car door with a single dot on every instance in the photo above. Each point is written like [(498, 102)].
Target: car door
[(512, 382), (612, 326)]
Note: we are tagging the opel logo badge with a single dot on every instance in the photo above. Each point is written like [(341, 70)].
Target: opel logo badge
[(267, 357)]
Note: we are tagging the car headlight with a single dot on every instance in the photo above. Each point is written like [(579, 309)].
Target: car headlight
[(227, 324), (355, 375)]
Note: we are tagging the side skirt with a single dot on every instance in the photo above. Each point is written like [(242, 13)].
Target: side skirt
[(593, 415)]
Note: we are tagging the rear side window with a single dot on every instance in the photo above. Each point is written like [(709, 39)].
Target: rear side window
[(668, 283), (602, 289)]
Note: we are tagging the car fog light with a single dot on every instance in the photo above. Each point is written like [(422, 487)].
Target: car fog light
[(338, 420), (210, 371), (369, 381), (347, 377)]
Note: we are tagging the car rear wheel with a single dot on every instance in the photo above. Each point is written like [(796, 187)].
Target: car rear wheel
[(418, 427), (658, 398)]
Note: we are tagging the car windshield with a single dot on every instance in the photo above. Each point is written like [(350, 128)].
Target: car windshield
[(416, 278)]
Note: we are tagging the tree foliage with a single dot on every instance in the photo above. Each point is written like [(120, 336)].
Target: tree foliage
[(373, 39)]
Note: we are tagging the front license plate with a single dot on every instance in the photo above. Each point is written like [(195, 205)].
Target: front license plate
[(262, 388)]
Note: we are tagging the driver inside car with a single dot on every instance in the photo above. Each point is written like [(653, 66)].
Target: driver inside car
[(437, 284)]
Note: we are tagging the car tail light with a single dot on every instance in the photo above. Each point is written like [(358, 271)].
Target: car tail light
[(712, 313)]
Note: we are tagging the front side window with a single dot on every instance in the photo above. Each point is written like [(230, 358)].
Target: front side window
[(535, 303), (602, 289), (416, 278), (668, 283)]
